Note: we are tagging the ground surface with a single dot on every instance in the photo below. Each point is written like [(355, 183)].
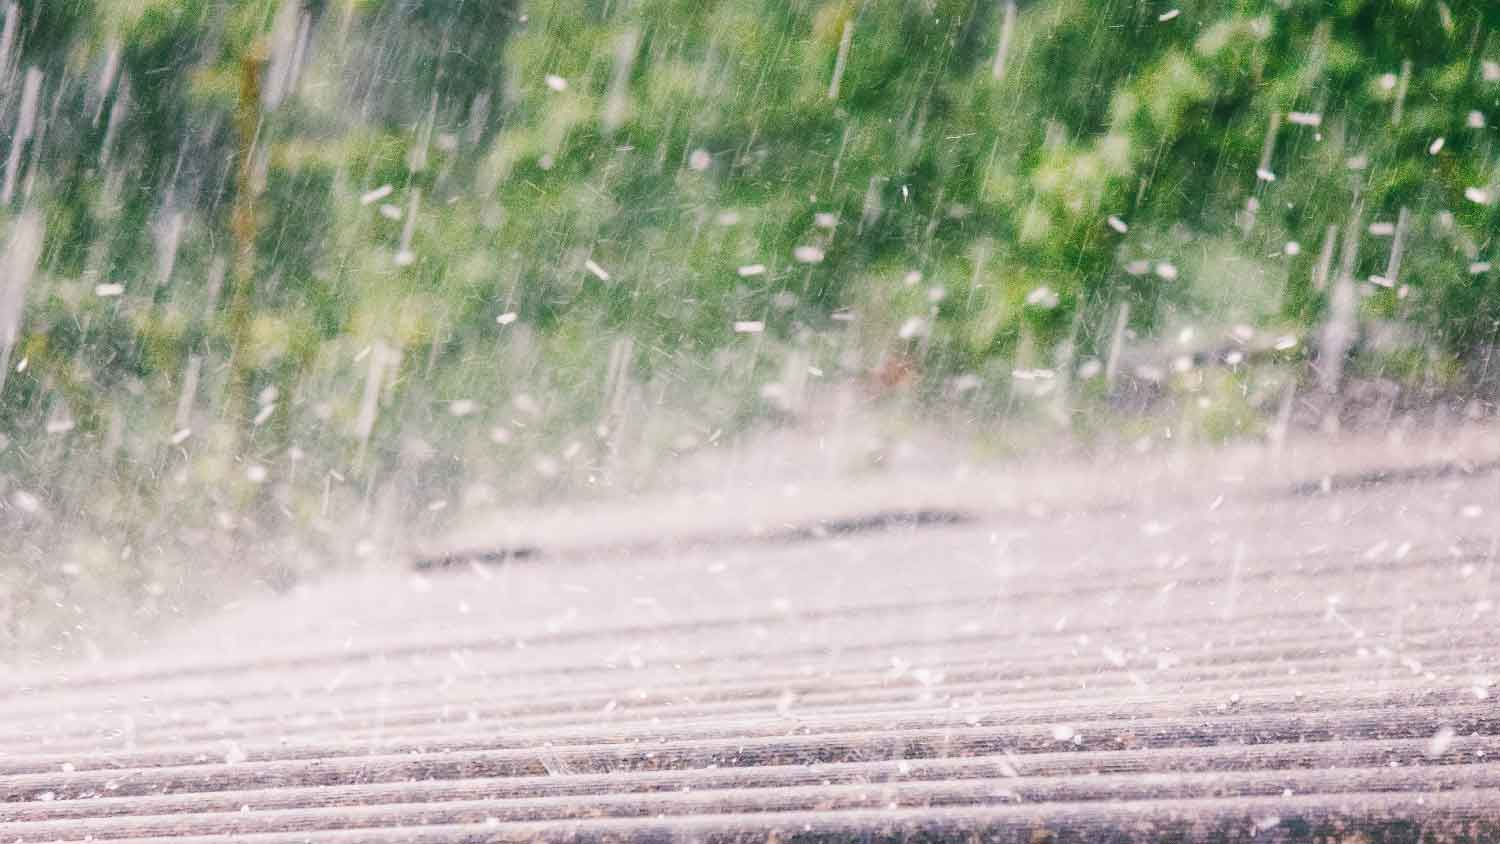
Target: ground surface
[(1259, 645)]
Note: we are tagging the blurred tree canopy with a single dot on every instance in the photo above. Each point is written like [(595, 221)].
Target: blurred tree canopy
[(275, 261)]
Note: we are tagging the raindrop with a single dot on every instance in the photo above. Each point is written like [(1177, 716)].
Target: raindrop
[(1042, 297), (25, 501), (598, 271), (376, 195), (807, 254), (1441, 742), (913, 327)]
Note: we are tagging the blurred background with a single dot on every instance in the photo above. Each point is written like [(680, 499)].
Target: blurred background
[(287, 283)]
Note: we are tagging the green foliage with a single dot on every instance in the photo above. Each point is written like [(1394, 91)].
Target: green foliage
[(438, 249)]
